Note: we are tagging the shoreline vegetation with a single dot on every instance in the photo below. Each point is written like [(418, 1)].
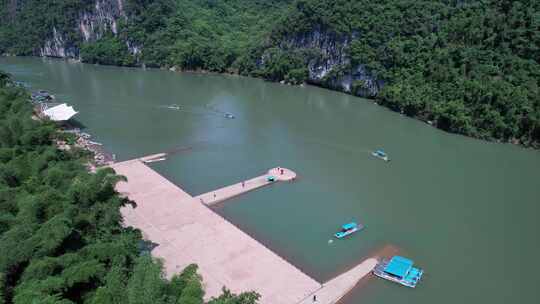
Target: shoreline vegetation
[(70, 134), (466, 67), (61, 232)]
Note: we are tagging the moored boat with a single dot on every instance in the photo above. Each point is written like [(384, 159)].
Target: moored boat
[(400, 270), (380, 154), (348, 229)]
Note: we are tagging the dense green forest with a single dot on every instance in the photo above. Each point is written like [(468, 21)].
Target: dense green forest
[(470, 67), (61, 236), (191, 34), (25, 25), (198, 34), (466, 66)]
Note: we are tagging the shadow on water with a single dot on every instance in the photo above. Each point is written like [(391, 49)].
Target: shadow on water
[(74, 123)]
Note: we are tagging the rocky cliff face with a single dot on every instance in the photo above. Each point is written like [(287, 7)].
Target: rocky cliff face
[(331, 67), (91, 25), (58, 46), (104, 17)]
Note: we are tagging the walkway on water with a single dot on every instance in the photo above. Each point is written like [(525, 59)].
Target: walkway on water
[(225, 193), (186, 231)]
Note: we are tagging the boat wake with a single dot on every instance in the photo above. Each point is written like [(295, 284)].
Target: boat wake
[(206, 110), (174, 107)]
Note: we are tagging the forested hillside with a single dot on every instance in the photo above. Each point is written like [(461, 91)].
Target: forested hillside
[(25, 25), (465, 66), (190, 34), (61, 238), (198, 34), (470, 67)]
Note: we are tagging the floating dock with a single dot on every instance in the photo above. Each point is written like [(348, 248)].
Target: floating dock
[(187, 231)]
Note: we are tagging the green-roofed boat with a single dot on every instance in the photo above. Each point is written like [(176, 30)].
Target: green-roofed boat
[(400, 270)]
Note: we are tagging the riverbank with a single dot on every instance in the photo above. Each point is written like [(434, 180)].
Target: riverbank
[(54, 213), (99, 157), (73, 136), (424, 117)]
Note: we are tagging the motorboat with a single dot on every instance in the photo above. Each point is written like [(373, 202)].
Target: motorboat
[(380, 154), (348, 229)]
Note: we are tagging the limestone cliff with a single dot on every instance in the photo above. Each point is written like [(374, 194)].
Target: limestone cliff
[(330, 65), (58, 46), (104, 17), (92, 24)]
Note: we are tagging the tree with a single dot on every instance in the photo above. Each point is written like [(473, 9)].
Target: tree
[(147, 284)]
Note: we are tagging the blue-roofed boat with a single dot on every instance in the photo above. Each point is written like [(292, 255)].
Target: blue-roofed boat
[(400, 270), (380, 154), (348, 229)]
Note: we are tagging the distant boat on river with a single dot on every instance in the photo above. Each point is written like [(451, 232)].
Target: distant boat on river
[(348, 229), (174, 107), (380, 154)]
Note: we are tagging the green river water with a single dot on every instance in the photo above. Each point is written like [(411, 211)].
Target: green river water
[(465, 210)]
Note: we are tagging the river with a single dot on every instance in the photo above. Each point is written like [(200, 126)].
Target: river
[(465, 210)]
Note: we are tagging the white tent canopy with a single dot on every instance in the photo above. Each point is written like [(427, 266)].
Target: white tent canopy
[(61, 112)]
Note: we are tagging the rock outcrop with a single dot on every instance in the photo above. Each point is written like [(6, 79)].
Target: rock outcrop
[(104, 17), (91, 26), (58, 46), (331, 65)]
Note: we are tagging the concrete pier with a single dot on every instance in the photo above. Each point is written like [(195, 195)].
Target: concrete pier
[(220, 195), (332, 291), (186, 231)]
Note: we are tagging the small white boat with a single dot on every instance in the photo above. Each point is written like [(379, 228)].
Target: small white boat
[(173, 107), (154, 160), (95, 143)]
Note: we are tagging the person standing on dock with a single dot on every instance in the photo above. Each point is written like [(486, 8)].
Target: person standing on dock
[(243, 184), (314, 298)]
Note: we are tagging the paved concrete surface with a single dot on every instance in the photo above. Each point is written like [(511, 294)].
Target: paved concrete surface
[(186, 231), (335, 289), (225, 193)]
